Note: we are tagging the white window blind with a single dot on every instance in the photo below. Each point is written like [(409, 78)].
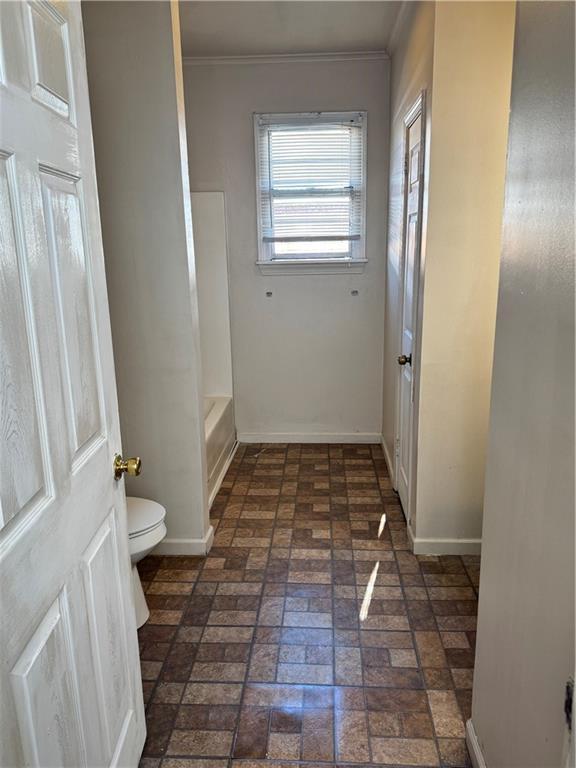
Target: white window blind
[(311, 186)]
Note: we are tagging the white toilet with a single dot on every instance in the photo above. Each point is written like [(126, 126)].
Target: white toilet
[(146, 529)]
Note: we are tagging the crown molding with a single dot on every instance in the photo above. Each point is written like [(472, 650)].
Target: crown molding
[(286, 58)]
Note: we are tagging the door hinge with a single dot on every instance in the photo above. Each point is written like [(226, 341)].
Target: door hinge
[(397, 447)]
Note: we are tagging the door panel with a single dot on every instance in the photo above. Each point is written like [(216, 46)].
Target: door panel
[(404, 446), (107, 631), (23, 456), (70, 689), (411, 271), (50, 59), (73, 291), (45, 687)]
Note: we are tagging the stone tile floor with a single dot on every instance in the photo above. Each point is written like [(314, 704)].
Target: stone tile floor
[(310, 633)]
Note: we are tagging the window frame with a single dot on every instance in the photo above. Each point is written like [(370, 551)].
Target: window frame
[(354, 263)]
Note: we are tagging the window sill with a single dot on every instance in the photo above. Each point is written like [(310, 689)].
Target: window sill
[(312, 266)]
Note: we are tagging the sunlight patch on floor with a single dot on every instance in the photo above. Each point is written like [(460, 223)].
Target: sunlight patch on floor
[(382, 525), (368, 594)]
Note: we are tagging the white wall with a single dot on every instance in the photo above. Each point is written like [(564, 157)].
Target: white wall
[(307, 361), (135, 80), (525, 643), (211, 259)]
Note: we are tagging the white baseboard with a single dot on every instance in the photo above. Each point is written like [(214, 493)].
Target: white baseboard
[(222, 474), (474, 746), (435, 546), (309, 437), (186, 546), (444, 546), (388, 460)]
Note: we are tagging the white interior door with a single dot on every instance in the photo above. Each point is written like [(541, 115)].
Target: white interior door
[(70, 690), (413, 170)]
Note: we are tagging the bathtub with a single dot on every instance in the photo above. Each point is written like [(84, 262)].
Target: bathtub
[(220, 440)]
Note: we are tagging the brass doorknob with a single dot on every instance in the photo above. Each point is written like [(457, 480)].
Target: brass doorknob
[(131, 466), (403, 359)]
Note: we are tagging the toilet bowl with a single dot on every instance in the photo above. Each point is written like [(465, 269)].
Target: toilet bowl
[(146, 529)]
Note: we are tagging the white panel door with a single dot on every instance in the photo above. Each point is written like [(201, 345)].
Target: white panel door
[(70, 690), (413, 168)]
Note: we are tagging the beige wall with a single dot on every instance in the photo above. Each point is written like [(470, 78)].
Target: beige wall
[(411, 73), (307, 361), (472, 70), (525, 648), (137, 108), (468, 77)]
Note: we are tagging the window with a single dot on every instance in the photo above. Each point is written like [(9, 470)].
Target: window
[(311, 183)]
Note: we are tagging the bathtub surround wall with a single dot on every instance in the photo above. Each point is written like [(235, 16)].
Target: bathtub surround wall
[(135, 79), (210, 251), (307, 359), (467, 76), (220, 441)]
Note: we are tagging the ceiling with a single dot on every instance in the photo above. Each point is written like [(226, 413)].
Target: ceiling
[(268, 27)]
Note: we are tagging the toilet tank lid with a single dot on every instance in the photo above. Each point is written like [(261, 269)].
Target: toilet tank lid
[(143, 514)]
